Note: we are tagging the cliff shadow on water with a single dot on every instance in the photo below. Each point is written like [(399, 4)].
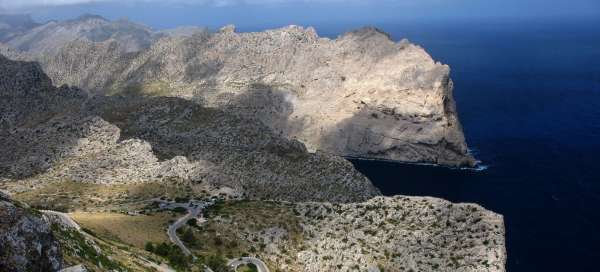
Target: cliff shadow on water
[(382, 135)]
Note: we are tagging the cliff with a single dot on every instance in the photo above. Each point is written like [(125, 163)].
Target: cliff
[(334, 220), (27, 241), (64, 134), (360, 95)]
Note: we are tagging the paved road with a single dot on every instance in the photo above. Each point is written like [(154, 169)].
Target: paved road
[(194, 208), (193, 212), (260, 265)]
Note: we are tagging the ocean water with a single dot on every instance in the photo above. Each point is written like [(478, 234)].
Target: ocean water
[(528, 96)]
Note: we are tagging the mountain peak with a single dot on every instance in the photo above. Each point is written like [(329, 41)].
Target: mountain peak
[(227, 29), (368, 31), (88, 16)]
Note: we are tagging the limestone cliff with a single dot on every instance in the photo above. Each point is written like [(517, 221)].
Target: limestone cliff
[(360, 95), (50, 135), (57, 134)]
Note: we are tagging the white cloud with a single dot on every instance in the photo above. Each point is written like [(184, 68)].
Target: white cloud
[(9, 4), (20, 4)]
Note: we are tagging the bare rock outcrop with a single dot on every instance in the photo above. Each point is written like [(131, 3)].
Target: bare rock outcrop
[(402, 234), (381, 234), (27, 241), (56, 134), (360, 95)]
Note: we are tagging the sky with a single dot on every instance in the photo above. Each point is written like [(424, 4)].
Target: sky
[(161, 14)]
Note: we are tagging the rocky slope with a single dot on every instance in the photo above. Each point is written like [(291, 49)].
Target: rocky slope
[(381, 234), (360, 95), (27, 241), (55, 134), (402, 234), (50, 135)]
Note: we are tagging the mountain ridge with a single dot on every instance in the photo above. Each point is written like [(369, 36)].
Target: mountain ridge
[(359, 95), (70, 149), (98, 139)]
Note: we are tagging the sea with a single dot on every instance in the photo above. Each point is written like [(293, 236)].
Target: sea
[(528, 97)]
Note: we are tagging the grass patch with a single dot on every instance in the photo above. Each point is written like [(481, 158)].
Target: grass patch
[(247, 268), (133, 230), (156, 88), (78, 196)]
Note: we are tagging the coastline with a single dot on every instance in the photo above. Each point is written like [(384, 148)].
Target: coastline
[(478, 165)]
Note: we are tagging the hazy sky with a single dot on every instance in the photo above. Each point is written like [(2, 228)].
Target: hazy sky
[(259, 13)]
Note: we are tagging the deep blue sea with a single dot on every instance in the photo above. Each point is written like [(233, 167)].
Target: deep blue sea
[(528, 96)]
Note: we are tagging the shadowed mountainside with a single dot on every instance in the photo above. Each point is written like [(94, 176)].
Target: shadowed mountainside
[(51, 134), (327, 87)]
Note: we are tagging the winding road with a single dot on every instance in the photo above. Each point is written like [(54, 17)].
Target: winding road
[(194, 209), (260, 265), (193, 212)]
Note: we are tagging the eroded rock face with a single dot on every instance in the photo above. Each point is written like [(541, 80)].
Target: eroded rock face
[(56, 134), (27, 241), (360, 95)]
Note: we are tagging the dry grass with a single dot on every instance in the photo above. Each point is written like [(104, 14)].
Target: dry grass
[(156, 88), (133, 230), (78, 196), (77, 249)]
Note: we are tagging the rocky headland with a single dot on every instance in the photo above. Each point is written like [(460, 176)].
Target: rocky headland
[(258, 121), (56, 134), (360, 95)]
